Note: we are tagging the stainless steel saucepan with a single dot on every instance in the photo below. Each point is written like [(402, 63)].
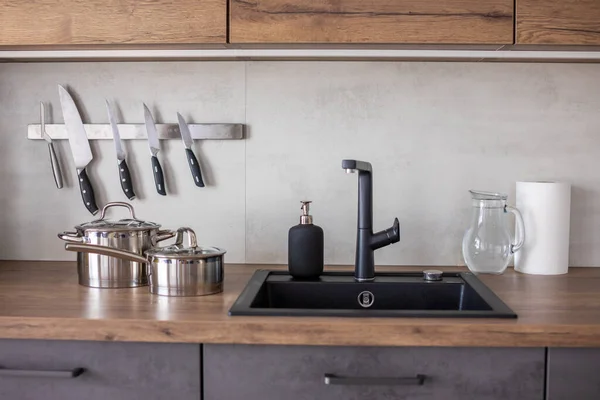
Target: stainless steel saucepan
[(131, 234), (175, 270)]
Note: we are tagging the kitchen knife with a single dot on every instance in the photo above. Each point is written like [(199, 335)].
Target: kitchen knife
[(53, 158), (159, 179), (80, 147), (186, 136), (124, 175)]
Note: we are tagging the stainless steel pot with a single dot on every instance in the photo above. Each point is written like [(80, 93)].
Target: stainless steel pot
[(175, 270), (131, 234)]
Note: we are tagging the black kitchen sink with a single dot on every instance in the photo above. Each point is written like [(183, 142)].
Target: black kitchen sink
[(407, 294)]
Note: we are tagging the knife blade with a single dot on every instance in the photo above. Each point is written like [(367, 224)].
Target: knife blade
[(186, 136), (124, 175), (159, 180), (80, 147), (53, 158)]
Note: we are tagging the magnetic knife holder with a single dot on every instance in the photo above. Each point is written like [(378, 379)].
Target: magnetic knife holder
[(138, 131)]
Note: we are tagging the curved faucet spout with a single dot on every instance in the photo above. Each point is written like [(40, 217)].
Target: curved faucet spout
[(366, 241)]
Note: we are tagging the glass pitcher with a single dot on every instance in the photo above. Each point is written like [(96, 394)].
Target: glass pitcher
[(487, 245)]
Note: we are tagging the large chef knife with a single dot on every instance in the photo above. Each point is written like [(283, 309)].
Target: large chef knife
[(53, 158), (159, 179), (80, 147), (186, 136), (124, 175)]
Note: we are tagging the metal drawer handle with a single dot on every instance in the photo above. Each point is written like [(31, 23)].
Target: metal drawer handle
[(31, 373), (331, 379)]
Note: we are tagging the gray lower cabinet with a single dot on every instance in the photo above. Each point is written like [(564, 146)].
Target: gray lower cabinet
[(233, 372), (38, 370), (573, 374)]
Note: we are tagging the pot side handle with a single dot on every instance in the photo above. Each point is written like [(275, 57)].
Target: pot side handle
[(72, 237), (105, 251), (163, 235)]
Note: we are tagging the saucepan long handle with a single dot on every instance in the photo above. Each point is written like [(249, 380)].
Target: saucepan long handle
[(105, 251)]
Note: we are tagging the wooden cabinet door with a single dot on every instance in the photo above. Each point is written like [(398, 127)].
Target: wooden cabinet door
[(568, 22), (93, 22), (374, 21), (573, 374), (35, 370), (234, 372)]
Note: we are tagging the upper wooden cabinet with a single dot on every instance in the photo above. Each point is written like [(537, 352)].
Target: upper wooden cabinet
[(373, 21), (91, 22), (558, 22)]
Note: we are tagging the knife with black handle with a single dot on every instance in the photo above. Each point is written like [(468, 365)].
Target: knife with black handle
[(87, 191), (186, 136), (159, 179), (124, 175), (194, 167), (80, 147)]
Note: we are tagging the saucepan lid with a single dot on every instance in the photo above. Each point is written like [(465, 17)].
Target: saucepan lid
[(127, 224), (190, 252)]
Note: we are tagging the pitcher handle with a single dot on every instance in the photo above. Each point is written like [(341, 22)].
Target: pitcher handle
[(520, 225)]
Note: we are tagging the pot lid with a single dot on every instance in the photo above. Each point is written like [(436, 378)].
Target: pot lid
[(127, 224), (191, 251)]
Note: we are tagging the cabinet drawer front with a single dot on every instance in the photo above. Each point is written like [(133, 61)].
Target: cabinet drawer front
[(234, 372), (90, 22), (558, 22), (573, 374), (377, 21), (35, 369)]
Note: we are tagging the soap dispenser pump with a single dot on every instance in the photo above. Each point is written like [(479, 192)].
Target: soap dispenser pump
[(305, 247)]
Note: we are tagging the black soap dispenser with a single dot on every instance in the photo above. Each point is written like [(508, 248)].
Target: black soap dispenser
[(305, 247)]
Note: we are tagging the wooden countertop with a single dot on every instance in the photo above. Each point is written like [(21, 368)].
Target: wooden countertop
[(42, 300)]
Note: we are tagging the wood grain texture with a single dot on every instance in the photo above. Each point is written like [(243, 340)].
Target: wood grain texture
[(376, 21), (41, 300), (94, 22), (559, 22)]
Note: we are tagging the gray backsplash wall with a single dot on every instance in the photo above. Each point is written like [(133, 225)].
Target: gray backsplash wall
[(431, 130)]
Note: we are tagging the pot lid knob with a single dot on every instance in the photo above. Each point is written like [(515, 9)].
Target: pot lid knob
[(117, 204), (192, 241)]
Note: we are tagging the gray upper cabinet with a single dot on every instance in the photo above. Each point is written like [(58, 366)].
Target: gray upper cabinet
[(34, 370), (233, 372), (573, 374)]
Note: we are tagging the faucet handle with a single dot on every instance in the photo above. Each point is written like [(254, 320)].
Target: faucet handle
[(396, 231), (386, 237)]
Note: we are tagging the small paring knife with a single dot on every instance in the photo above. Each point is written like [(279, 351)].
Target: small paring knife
[(53, 158), (124, 175), (186, 136), (80, 147), (159, 179)]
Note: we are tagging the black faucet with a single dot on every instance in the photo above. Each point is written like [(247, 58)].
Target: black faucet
[(367, 241)]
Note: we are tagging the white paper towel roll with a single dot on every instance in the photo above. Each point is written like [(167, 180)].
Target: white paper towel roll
[(546, 209)]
